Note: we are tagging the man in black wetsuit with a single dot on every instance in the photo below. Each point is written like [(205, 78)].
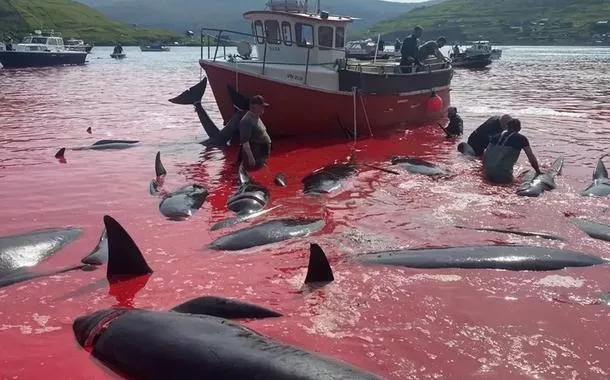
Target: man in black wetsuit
[(479, 139), (503, 152), (409, 51)]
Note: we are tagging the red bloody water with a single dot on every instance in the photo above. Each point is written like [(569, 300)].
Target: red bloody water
[(398, 323)]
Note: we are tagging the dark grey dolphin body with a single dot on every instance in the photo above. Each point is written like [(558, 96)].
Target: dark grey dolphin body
[(328, 179), (216, 136), (417, 166), (183, 202), (510, 257), (266, 233), (601, 183), (250, 197), (593, 229), (540, 235), (535, 185), (233, 220), (102, 145)]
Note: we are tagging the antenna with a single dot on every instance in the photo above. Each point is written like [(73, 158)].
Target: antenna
[(318, 10), (306, 7)]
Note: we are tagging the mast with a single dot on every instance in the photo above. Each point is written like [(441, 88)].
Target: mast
[(306, 7), (318, 9)]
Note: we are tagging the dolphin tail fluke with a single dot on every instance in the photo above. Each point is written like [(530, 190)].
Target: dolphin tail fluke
[(124, 256), (60, 153), (99, 255), (243, 174), (319, 269), (192, 95), (600, 170), (241, 102), (557, 166), (159, 169), (224, 308)]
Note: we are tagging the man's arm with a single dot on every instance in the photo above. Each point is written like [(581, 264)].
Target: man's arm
[(532, 158), (248, 151), (440, 55)]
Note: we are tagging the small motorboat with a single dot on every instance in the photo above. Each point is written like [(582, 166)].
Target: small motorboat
[(118, 55), (477, 56), (496, 54), (154, 47), (77, 45)]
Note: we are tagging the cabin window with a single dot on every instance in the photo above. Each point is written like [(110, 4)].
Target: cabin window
[(51, 41), (39, 40), (304, 34), (287, 33), (339, 37), (325, 36), (272, 27), (259, 32)]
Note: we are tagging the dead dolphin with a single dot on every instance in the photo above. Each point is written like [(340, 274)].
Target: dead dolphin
[(417, 166), (216, 136), (593, 229), (266, 233), (102, 145), (184, 202), (509, 257), (250, 197), (233, 220), (540, 235), (328, 179), (535, 185), (195, 340), (601, 184)]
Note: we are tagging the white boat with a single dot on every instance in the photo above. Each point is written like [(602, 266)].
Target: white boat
[(154, 47), (40, 49), (77, 45)]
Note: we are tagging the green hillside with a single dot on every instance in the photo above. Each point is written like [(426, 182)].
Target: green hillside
[(72, 19), (508, 21)]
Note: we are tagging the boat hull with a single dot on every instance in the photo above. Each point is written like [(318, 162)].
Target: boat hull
[(17, 59), (473, 62), (298, 110)]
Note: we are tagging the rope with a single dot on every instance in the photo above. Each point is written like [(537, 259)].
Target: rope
[(366, 115)]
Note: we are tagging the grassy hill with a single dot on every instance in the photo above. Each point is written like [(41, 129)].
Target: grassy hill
[(506, 21), (72, 19), (183, 15)]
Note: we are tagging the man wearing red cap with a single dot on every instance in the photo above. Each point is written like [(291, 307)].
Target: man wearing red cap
[(254, 140)]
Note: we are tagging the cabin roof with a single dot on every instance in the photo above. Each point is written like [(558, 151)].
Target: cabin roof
[(303, 16)]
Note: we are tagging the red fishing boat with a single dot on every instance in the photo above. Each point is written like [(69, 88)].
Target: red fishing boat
[(296, 59)]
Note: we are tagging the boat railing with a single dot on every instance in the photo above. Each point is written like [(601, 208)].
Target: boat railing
[(215, 39)]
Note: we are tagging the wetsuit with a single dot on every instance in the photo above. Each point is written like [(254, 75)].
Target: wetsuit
[(479, 139), (252, 130), (502, 154), (409, 53), (455, 127)]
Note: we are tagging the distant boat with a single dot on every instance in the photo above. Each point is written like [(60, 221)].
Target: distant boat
[(39, 50), (154, 47), (496, 54), (118, 55), (477, 56), (77, 45)]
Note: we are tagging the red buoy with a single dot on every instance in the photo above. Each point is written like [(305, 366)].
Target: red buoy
[(434, 104)]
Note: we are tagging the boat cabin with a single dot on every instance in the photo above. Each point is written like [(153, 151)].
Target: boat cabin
[(286, 32), (40, 42)]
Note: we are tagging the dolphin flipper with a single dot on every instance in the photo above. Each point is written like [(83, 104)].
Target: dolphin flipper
[(159, 169), (318, 270), (124, 256), (193, 94), (243, 175), (557, 166), (600, 170), (99, 255), (224, 308)]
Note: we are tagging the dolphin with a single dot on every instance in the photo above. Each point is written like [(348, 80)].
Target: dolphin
[(593, 229), (540, 235), (509, 257), (231, 221), (417, 166), (535, 185), (280, 180), (184, 202), (266, 233), (466, 150), (216, 136), (601, 184), (250, 197), (196, 340), (328, 179), (115, 247), (102, 145)]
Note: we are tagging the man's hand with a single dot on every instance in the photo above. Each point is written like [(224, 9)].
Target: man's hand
[(251, 161)]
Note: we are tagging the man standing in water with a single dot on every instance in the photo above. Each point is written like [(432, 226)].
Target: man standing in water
[(479, 139), (255, 142), (503, 152), (410, 50)]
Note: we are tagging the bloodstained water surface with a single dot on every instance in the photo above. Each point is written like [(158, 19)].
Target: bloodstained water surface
[(396, 322)]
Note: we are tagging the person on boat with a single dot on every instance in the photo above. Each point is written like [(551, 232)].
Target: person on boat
[(503, 152), (479, 139), (456, 125), (456, 51), (118, 49), (409, 51), (433, 48), (254, 140), (397, 45), (381, 45)]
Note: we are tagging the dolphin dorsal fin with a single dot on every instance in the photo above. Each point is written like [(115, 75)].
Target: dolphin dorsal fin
[(124, 256), (557, 165), (243, 174), (60, 153), (600, 170), (159, 169), (319, 269)]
